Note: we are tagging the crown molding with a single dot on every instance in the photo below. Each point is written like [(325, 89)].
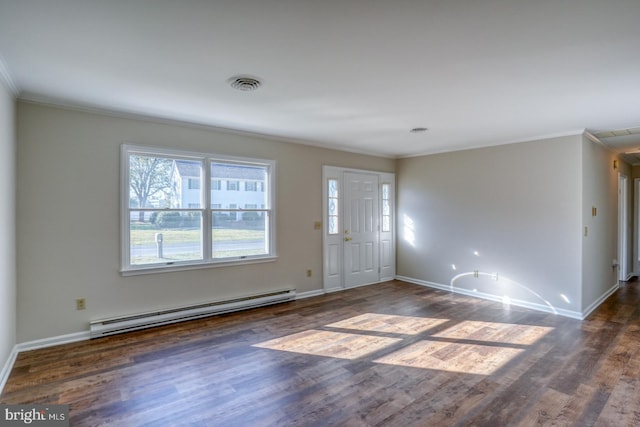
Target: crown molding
[(5, 76), (591, 137), (37, 99), (541, 137)]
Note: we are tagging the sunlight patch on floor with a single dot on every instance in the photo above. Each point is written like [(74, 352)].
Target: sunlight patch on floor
[(331, 344), (452, 357), (495, 332), (469, 346), (389, 323)]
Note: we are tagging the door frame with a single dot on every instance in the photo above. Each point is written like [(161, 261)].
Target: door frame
[(635, 265), (623, 246), (333, 245)]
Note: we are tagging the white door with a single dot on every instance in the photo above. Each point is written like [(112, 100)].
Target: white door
[(361, 229)]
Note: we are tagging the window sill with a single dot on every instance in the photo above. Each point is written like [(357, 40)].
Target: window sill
[(154, 269)]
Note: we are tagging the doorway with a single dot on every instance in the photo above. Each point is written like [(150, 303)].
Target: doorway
[(623, 253), (359, 230)]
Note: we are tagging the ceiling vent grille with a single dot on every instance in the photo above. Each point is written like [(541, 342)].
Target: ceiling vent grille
[(244, 83)]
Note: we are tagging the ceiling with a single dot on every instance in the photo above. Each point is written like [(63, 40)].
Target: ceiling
[(622, 141), (355, 75)]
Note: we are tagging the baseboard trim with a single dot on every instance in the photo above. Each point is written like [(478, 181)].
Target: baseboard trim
[(8, 366), (340, 289), (612, 290), (50, 342), (495, 298), (35, 345), (310, 294)]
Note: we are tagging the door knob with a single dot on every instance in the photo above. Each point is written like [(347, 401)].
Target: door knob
[(346, 239)]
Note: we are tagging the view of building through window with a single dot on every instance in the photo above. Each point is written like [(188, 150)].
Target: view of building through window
[(170, 205)]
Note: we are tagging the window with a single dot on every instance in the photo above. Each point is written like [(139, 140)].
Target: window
[(194, 184), (250, 186), (386, 208), (332, 206), (171, 220)]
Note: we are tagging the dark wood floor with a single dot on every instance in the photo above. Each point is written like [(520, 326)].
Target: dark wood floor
[(393, 354)]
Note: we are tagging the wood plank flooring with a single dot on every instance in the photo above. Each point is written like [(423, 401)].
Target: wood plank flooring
[(393, 354)]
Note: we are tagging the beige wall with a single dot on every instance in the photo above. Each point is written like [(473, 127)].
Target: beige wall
[(518, 206), (68, 218), (7, 224), (600, 246), (522, 207)]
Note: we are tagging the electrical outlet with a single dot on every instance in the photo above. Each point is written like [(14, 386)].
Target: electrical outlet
[(81, 304), (309, 273)]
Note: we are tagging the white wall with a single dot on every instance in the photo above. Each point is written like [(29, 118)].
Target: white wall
[(68, 224), (519, 206), (600, 245), (7, 224)]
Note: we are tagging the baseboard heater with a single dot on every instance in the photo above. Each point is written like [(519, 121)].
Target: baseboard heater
[(118, 325)]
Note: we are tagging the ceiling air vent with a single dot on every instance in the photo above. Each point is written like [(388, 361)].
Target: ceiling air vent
[(244, 83), (418, 130)]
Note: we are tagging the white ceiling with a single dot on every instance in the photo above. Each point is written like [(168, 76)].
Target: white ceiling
[(623, 141), (350, 74)]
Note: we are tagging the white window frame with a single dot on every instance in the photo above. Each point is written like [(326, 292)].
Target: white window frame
[(206, 210)]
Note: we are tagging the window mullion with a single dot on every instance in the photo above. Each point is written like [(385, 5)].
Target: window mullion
[(206, 210), (125, 215)]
